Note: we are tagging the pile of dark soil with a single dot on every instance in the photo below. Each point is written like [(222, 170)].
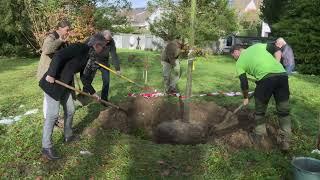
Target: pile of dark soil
[(161, 121)]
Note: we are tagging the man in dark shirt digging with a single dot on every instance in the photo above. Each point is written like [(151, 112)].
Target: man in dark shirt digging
[(103, 58), (64, 65)]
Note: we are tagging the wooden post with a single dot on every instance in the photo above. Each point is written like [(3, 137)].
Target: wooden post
[(187, 100), (146, 66)]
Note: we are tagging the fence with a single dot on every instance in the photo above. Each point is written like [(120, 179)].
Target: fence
[(150, 42), (138, 41)]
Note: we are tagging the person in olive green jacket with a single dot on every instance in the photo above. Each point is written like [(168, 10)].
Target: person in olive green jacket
[(53, 42), (171, 66)]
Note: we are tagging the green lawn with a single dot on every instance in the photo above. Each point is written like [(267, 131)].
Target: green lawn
[(121, 156)]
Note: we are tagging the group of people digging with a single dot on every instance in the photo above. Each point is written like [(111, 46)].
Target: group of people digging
[(61, 61), (270, 64)]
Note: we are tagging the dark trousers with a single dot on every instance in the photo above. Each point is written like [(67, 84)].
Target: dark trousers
[(88, 76), (105, 83), (278, 87)]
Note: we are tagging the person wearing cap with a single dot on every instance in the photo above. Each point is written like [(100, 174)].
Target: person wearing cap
[(171, 65), (65, 63), (272, 80), (103, 58)]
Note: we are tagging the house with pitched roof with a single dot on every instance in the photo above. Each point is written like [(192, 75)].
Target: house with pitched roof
[(141, 18), (249, 10)]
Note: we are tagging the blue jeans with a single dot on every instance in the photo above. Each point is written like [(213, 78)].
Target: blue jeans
[(289, 69), (105, 83)]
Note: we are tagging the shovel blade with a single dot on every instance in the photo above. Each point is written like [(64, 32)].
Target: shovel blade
[(229, 121)]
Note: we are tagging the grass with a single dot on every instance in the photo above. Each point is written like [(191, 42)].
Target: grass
[(121, 156)]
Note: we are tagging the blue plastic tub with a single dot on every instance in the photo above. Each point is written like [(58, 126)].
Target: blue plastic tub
[(306, 168)]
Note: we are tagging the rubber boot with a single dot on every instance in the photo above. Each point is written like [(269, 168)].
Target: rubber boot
[(257, 136), (285, 133)]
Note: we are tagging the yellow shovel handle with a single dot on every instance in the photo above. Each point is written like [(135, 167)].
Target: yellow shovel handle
[(114, 72)]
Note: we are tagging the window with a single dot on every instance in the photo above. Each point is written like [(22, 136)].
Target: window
[(229, 41)]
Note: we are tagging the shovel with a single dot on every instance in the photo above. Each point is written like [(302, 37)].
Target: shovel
[(228, 121), (89, 95), (125, 78)]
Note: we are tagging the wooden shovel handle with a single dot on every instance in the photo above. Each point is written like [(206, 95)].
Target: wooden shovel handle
[(86, 94), (241, 106), (123, 77)]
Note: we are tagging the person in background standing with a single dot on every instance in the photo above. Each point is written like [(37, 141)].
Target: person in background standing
[(54, 41), (287, 56)]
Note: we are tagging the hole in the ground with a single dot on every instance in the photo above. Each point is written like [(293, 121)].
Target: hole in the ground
[(159, 120)]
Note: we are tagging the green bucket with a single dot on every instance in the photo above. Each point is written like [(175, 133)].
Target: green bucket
[(306, 168)]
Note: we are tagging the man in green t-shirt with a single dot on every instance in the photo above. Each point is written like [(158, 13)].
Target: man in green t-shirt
[(272, 80)]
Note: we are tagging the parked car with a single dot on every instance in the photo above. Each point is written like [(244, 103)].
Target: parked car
[(225, 44)]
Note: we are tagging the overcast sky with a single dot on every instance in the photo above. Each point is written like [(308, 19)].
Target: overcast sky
[(138, 3)]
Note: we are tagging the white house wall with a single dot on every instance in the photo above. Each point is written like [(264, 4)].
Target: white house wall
[(147, 42)]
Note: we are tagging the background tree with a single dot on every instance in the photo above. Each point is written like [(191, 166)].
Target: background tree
[(273, 10), (25, 23), (14, 27), (249, 24), (82, 22), (214, 19), (109, 15), (299, 25), (44, 16), (166, 27)]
